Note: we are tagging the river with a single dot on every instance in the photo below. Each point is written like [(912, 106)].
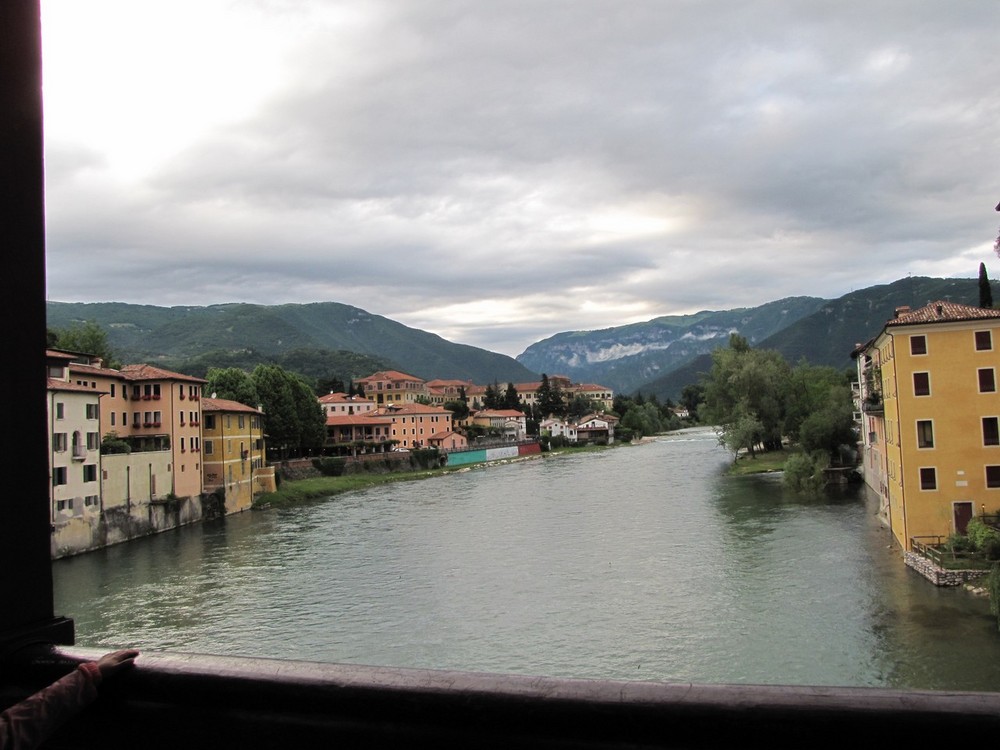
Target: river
[(645, 562)]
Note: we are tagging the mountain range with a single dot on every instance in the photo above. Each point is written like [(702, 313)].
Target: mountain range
[(828, 334), (659, 356), (188, 339)]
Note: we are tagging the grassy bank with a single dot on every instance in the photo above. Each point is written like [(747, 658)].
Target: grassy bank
[(292, 492), (762, 463)]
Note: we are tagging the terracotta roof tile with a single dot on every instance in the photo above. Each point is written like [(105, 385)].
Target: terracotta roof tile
[(150, 372), (942, 312), (61, 385), (225, 404)]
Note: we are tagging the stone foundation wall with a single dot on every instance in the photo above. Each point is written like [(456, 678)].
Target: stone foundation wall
[(939, 576)]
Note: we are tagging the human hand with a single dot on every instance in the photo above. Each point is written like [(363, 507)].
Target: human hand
[(115, 662)]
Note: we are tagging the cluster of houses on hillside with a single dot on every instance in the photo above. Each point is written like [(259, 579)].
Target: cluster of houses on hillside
[(927, 402), (403, 412), (142, 449)]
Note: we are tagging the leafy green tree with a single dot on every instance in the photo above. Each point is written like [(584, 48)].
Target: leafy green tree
[(293, 418), (741, 432), (580, 405), (809, 391), (459, 409), (310, 416), (87, 338), (492, 398), (831, 426), (804, 472), (551, 401), (692, 395), (329, 385), (510, 398), (747, 386), (643, 419), (233, 384)]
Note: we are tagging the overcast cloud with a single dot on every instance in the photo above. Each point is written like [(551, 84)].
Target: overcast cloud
[(499, 171)]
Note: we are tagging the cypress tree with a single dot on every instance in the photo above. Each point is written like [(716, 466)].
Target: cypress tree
[(985, 293)]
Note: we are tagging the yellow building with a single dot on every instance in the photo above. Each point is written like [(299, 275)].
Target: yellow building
[(931, 418), (233, 452), (393, 387)]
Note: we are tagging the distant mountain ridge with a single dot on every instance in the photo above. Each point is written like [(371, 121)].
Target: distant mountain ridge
[(173, 335), (659, 356), (627, 357), (829, 335)]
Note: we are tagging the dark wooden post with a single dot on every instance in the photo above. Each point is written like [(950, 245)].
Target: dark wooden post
[(25, 565)]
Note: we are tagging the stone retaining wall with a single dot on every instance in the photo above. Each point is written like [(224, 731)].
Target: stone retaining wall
[(940, 576)]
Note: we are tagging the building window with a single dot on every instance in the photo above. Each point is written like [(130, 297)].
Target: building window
[(984, 341), (209, 421), (59, 475), (59, 441), (90, 472), (928, 478), (112, 419), (921, 384), (993, 476), (59, 410), (89, 501), (987, 380), (991, 431), (64, 505), (92, 412), (208, 447), (918, 345), (241, 423), (93, 441)]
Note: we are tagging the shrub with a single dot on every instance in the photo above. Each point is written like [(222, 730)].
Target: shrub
[(981, 536), (991, 548), (425, 458), (804, 472), (113, 444), (958, 543), (330, 466), (993, 586)]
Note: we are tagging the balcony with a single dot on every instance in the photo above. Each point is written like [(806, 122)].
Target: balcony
[(873, 404)]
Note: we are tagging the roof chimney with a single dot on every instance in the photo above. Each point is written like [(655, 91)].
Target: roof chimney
[(901, 309)]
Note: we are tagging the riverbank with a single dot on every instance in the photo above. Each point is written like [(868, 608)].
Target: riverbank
[(292, 492)]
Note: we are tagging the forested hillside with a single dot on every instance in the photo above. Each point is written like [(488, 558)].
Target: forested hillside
[(261, 333)]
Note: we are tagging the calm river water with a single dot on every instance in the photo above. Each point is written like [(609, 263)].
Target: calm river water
[(639, 563)]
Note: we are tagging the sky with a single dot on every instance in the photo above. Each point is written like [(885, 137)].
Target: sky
[(497, 171)]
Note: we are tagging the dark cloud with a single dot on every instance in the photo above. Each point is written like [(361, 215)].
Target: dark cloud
[(580, 164)]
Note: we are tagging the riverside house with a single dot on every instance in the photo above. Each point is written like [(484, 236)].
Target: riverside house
[(233, 453), (930, 415)]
